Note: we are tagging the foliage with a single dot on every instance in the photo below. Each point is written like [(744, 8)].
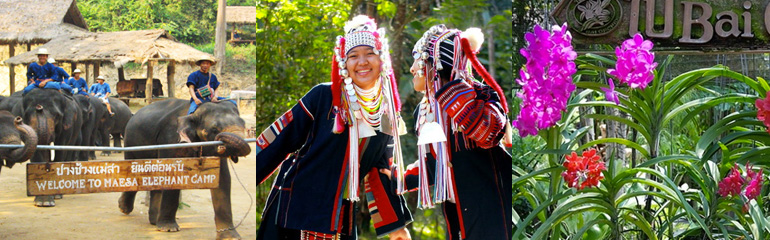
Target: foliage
[(295, 51), (660, 194), (239, 58), (190, 21)]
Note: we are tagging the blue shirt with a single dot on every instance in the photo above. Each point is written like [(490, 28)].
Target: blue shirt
[(61, 75), (35, 72), (99, 90), (199, 80), (80, 84)]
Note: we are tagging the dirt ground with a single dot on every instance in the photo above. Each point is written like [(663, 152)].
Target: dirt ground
[(96, 216)]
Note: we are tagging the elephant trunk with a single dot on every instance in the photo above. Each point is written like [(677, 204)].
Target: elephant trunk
[(234, 145), (42, 125), (29, 137)]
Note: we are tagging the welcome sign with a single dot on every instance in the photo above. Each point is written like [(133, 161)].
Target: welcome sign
[(687, 25)]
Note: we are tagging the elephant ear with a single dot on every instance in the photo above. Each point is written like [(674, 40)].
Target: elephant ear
[(186, 129)]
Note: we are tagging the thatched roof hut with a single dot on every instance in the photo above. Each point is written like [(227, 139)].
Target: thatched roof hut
[(143, 46), (116, 47), (241, 14), (26, 21)]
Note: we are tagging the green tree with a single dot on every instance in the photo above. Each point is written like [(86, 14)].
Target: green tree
[(190, 21)]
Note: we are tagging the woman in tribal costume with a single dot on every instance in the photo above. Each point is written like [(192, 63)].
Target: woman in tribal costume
[(338, 135), (461, 123)]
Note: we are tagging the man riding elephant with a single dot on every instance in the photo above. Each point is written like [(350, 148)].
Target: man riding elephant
[(14, 131), (167, 122), (56, 119)]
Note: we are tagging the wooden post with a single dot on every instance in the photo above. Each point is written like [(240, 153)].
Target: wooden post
[(148, 89), (96, 69), (29, 47), (11, 69), (86, 76), (121, 76), (170, 71), (220, 40), (73, 66)]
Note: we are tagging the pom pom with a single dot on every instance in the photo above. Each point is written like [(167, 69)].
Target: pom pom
[(475, 38), (361, 22), (339, 123)]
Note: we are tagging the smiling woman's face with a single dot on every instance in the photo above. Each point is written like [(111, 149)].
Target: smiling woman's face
[(363, 66)]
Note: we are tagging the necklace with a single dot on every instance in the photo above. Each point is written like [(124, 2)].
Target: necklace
[(370, 101)]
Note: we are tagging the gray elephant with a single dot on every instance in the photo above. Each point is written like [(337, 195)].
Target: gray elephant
[(86, 136), (111, 125), (56, 119), (14, 131), (8, 103), (167, 122)]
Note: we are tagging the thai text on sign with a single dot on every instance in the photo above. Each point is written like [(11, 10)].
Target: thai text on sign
[(122, 176)]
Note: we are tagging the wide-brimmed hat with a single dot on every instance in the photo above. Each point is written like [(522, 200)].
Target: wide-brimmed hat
[(51, 60), (42, 51), (205, 58), (100, 77), (77, 70)]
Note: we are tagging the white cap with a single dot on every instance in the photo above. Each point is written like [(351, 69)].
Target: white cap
[(100, 77), (51, 60), (77, 70), (42, 51)]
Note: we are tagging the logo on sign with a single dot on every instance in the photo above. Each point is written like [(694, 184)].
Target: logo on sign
[(594, 17)]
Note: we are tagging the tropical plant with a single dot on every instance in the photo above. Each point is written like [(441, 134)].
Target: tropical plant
[(655, 195)]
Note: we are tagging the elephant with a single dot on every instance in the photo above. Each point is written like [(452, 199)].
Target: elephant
[(8, 103), (167, 122), (101, 117), (86, 136), (56, 118), (14, 131), (111, 125)]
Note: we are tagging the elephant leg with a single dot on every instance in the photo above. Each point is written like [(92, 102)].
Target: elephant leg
[(167, 216), (43, 157), (223, 212), (105, 142), (126, 202), (79, 142), (62, 156), (155, 198), (44, 201), (92, 155), (116, 141)]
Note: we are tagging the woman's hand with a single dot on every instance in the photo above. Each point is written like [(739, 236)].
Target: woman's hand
[(401, 234)]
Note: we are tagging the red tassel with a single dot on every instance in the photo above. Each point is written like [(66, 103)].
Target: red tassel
[(394, 88), (483, 72), (339, 122), (336, 83)]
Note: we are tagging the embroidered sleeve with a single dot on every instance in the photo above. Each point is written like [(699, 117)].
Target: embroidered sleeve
[(387, 209), (475, 110), (287, 134), (412, 174)]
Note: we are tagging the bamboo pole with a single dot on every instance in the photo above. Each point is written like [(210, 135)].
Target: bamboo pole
[(148, 85), (11, 69), (170, 71), (220, 40)]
